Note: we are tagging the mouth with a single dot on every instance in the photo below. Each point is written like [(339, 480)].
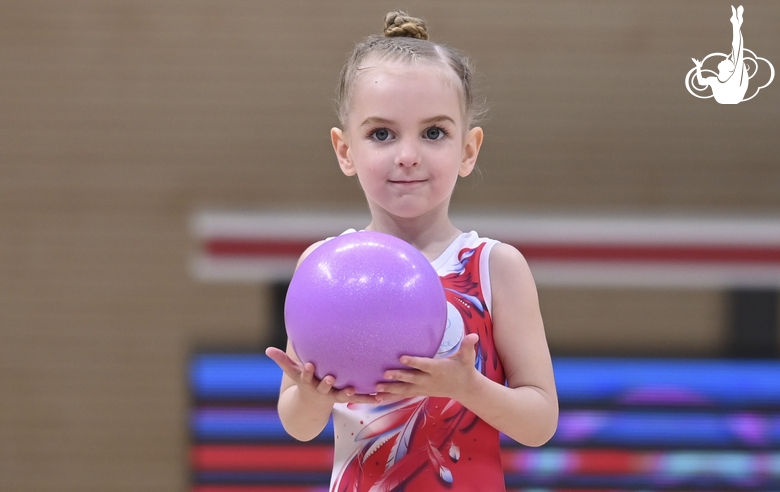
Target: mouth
[(407, 181)]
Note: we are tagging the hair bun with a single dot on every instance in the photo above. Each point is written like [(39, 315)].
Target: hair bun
[(399, 24)]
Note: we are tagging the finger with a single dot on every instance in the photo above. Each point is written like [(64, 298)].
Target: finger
[(348, 395), (307, 375), (467, 347), (383, 389), (326, 384), (357, 398), (403, 376), (290, 367), (271, 351), (387, 398), (419, 363), (470, 340), (276, 355)]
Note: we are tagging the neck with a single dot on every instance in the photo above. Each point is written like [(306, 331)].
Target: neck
[(430, 233)]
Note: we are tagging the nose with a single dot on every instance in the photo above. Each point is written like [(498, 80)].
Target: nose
[(408, 154)]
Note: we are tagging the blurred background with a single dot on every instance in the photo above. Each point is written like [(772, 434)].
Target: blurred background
[(121, 119)]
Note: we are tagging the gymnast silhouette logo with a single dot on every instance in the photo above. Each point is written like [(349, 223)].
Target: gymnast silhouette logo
[(730, 84)]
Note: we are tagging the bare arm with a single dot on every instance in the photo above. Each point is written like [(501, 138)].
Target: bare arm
[(305, 402), (304, 412), (527, 408)]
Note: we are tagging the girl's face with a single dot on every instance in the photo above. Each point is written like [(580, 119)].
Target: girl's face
[(406, 139)]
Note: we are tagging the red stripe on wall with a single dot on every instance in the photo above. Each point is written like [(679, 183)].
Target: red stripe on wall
[(243, 248), (673, 253), (608, 462), (259, 247), (255, 488), (585, 462)]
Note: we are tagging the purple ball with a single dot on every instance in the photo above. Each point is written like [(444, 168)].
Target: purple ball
[(360, 301)]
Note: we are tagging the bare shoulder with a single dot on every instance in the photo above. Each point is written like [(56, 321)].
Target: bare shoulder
[(518, 329), (517, 321), (505, 254), (508, 267), (308, 251)]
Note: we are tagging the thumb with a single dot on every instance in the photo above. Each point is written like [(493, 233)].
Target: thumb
[(471, 340), (467, 345)]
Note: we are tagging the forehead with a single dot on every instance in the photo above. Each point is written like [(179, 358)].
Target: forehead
[(406, 87)]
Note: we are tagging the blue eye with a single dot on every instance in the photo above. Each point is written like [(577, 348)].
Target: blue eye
[(381, 134), (435, 133)]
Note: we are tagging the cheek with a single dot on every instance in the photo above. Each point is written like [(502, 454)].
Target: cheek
[(369, 177)]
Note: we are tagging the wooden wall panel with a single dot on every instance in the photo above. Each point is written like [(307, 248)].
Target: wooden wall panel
[(118, 119), (634, 322)]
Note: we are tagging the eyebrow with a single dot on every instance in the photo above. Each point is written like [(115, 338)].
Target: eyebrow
[(373, 120)]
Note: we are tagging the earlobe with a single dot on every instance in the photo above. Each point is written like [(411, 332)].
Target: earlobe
[(343, 154), (471, 147)]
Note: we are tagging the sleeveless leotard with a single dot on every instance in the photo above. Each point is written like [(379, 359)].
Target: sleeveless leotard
[(427, 444)]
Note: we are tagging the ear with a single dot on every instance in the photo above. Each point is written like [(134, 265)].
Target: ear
[(471, 146), (343, 153)]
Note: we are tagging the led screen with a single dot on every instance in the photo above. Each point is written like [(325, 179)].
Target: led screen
[(625, 424)]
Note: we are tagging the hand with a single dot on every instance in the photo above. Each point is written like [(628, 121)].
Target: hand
[(450, 377), (311, 387), (697, 62)]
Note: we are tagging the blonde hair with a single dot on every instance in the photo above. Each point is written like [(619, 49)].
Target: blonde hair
[(405, 39)]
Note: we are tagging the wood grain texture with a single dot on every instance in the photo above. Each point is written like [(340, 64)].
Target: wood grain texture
[(119, 119)]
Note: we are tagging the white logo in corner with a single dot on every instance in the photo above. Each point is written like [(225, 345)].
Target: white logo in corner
[(730, 84)]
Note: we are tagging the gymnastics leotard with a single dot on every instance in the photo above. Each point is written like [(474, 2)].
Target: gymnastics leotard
[(427, 444)]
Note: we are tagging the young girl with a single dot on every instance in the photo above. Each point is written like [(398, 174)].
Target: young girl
[(407, 110)]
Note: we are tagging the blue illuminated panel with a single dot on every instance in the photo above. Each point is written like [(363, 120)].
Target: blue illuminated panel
[(624, 425)]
